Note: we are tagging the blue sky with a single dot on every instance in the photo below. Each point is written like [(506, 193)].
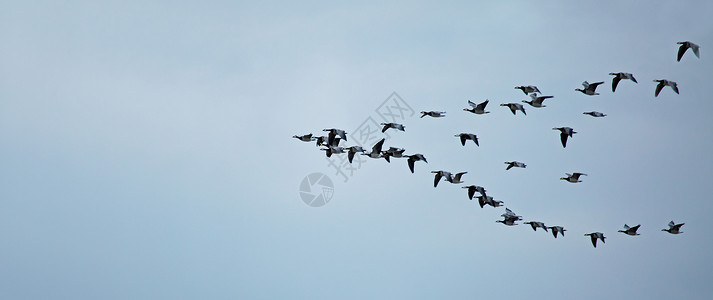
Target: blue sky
[(147, 150)]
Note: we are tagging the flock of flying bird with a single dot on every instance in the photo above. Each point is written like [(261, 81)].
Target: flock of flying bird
[(335, 136)]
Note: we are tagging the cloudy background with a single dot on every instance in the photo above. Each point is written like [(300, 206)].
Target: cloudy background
[(147, 152)]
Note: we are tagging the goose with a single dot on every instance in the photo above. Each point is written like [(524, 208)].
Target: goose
[(392, 125), (557, 229), (535, 224), (515, 107), (305, 138), (414, 158), (684, 46), (333, 132), (376, 149), (483, 200), (573, 178), (509, 214), (618, 77), (528, 89), (595, 114), (440, 174), (333, 150), (663, 83), (456, 179), (435, 114), (468, 136), (589, 88), (674, 228), (630, 230), (507, 221), (514, 164), (393, 152), (478, 109), (537, 100), (320, 140), (564, 133), (474, 188), (353, 150), (594, 236)]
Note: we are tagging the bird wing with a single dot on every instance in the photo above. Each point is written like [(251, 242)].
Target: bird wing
[(635, 228), (594, 240), (378, 145), (471, 192), (671, 224), (472, 104), (351, 156), (694, 47), (437, 179), (475, 139), (563, 139), (342, 134), (410, 164), (681, 50), (614, 83), (481, 201), (510, 165), (462, 139), (632, 78), (522, 108), (483, 104), (512, 108), (658, 88), (554, 232), (386, 126), (674, 86), (678, 226), (459, 175), (593, 86)]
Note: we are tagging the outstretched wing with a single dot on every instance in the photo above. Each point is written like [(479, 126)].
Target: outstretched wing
[(681, 50), (483, 104), (472, 104), (351, 156), (658, 88), (437, 179), (594, 240), (614, 83), (675, 87), (377, 146), (410, 164), (563, 139), (695, 50), (462, 139)]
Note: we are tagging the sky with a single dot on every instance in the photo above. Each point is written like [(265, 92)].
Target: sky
[(147, 150)]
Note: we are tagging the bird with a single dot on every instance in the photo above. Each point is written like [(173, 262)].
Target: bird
[(595, 114), (474, 188), (514, 164), (414, 158), (684, 46), (456, 179), (305, 138), (468, 136), (557, 229), (663, 83), (484, 199), (618, 77), (352, 151), (509, 214), (376, 149), (515, 107), (440, 174), (535, 224), (435, 114), (393, 125), (573, 178), (674, 228), (589, 88), (594, 236), (537, 100), (333, 132), (478, 109), (528, 89), (630, 230), (564, 133), (507, 221), (396, 152), (333, 150)]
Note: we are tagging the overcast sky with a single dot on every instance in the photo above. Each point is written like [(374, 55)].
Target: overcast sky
[(147, 153)]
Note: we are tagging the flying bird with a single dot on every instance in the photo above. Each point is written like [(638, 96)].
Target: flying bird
[(333, 132), (594, 236), (565, 132), (528, 89), (468, 136), (474, 188), (572, 178), (439, 175), (414, 158), (515, 107), (674, 228), (595, 114), (514, 164), (557, 229), (305, 138), (630, 230), (589, 88), (456, 179), (618, 77), (483, 200), (392, 125), (353, 150), (663, 83), (684, 46), (435, 114), (478, 109), (537, 100), (536, 224), (376, 149), (333, 150)]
